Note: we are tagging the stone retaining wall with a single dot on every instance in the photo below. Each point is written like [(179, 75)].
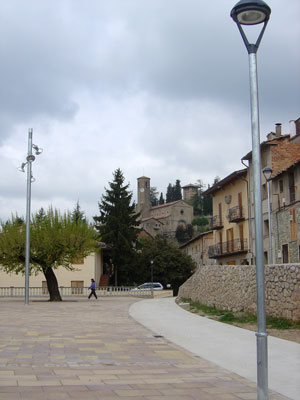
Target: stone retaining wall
[(233, 287)]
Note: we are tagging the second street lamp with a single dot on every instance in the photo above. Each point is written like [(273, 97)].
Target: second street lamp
[(254, 13), (268, 174)]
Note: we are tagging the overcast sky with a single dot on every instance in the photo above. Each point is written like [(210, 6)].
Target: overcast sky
[(154, 87)]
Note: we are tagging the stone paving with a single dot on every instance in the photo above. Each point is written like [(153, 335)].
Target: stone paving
[(94, 350)]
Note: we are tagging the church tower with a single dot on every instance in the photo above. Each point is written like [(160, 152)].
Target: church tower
[(143, 204)]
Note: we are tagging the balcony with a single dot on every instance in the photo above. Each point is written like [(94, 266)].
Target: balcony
[(216, 222), (236, 214), (228, 248)]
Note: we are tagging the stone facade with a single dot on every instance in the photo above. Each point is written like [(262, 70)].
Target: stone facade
[(233, 287)]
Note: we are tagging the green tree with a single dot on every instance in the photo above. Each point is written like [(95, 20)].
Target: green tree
[(184, 233), (202, 224), (118, 227), (170, 265), (77, 214), (177, 190), (170, 193), (55, 241), (161, 199), (153, 196)]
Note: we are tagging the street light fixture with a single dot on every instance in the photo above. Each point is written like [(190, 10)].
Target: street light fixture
[(30, 179), (268, 174), (254, 13)]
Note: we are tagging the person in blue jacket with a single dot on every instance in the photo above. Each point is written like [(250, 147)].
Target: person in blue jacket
[(93, 289)]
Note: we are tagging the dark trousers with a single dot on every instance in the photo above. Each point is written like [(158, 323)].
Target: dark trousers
[(94, 293)]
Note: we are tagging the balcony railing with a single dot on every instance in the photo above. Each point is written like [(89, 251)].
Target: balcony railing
[(236, 214), (226, 248), (216, 222)]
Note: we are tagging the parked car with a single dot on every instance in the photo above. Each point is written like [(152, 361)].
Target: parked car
[(149, 285)]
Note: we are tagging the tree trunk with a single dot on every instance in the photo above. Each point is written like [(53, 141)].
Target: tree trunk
[(52, 284)]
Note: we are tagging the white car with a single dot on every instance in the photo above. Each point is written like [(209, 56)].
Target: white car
[(149, 286)]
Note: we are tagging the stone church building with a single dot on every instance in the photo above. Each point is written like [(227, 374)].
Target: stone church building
[(163, 219)]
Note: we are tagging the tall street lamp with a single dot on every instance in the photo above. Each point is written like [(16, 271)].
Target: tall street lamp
[(268, 174), (254, 13), (29, 160), (151, 262)]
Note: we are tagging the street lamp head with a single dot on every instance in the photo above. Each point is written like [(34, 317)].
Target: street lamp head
[(267, 173), (30, 158), (248, 12)]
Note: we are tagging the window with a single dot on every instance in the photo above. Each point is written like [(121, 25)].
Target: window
[(293, 224), (44, 287), (292, 187), (266, 227), (77, 287), (264, 191), (285, 253), (78, 260), (281, 186), (181, 212)]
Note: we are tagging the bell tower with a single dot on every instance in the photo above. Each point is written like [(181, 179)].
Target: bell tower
[(143, 204)]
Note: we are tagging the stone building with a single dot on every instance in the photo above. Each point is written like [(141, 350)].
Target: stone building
[(197, 248), (280, 153), (163, 219)]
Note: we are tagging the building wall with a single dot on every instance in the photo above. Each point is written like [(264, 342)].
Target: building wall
[(173, 215), (198, 249), (228, 197), (234, 288), (91, 268)]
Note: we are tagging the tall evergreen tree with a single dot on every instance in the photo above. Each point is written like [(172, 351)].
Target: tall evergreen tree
[(177, 191), (170, 193), (161, 199), (118, 227), (77, 214), (153, 196)]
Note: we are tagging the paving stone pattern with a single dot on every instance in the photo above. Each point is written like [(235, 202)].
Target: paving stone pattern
[(94, 350)]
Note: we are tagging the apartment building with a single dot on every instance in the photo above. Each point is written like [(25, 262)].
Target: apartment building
[(230, 220)]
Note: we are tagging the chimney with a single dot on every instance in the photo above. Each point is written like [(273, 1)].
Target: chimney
[(278, 129), (293, 128)]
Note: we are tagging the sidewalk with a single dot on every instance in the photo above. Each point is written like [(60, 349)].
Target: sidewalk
[(225, 345), (93, 349)]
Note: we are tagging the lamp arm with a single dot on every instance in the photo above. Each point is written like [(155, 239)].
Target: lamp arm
[(251, 47)]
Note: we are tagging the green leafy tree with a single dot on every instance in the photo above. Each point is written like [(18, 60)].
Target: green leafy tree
[(118, 227), (55, 241), (161, 199), (170, 265), (202, 224), (184, 233)]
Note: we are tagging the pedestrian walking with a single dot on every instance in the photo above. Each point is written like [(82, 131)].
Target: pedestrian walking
[(93, 289)]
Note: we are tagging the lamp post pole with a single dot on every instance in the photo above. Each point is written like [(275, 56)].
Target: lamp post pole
[(253, 13), (267, 174), (30, 158), (152, 262)]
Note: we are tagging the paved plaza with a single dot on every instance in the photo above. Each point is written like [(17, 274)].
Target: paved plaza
[(95, 350)]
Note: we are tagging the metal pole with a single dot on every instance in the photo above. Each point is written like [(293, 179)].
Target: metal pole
[(270, 224), (28, 204), (151, 278), (261, 335)]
